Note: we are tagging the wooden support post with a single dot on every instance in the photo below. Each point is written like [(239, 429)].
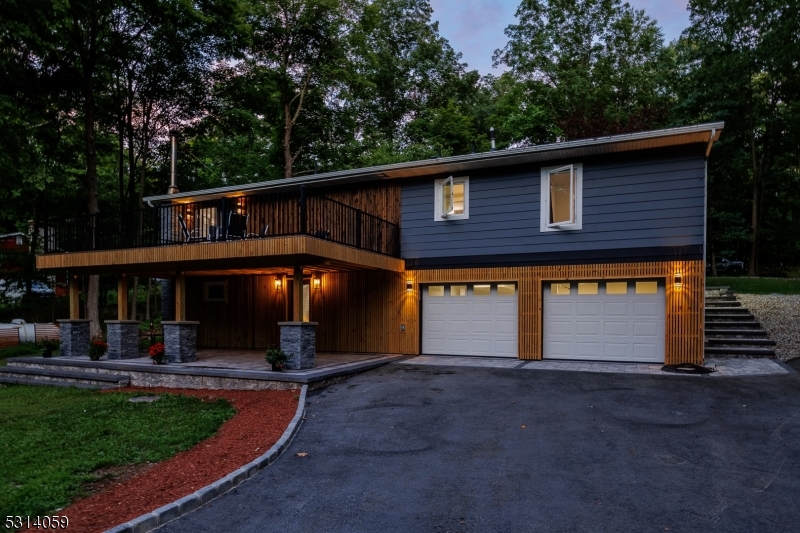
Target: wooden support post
[(180, 297), (122, 297), (74, 298), (297, 290)]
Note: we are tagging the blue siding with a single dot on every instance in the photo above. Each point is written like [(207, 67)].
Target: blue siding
[(656, 202)]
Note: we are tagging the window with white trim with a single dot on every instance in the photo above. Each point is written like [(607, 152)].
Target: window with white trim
[(562, 198), (451, 199)]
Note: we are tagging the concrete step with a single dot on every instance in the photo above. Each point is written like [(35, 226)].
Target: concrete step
[(739, 341), (741, 332), (729, 316), (65, 378), (727, 309), (722, 303), (713, 324), (716, 288), (722, 351)]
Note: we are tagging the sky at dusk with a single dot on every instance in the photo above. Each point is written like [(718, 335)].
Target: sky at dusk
[(475, 27)]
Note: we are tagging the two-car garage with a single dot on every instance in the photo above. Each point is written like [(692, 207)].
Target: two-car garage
[(602, 320)]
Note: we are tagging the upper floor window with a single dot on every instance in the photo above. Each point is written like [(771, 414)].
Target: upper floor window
[(562, 198), (452, 199)]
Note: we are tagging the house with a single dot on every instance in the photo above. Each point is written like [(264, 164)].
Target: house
[(591, 249)]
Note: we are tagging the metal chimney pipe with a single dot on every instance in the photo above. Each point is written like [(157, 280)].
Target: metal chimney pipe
[(173, 164), (491, 136)]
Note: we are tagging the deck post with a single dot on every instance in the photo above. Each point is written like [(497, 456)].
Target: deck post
[(122, 297), (74, 298), (180, 297), (297, 294)]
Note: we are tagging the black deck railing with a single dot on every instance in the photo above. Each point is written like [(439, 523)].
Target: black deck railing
[(248, 217)]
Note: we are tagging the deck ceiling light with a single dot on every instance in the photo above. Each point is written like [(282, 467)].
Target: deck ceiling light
[(678, 279)]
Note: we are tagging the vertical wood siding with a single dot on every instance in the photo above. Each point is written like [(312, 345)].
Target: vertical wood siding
[(382, 200), (364, 311)]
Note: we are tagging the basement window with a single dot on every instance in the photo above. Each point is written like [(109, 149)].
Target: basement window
[(562, 198), (215, 291), (451, 199)]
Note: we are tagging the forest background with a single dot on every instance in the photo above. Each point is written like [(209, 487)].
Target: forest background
[(263, 89)]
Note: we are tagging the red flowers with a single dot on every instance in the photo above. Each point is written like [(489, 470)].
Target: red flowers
[(157, 353)]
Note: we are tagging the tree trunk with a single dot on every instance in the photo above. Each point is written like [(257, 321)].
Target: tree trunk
[(287, 142), (752, 267), (147, 300), (93, 292)]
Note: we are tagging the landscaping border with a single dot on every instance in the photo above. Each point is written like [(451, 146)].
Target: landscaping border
[(187, 504)]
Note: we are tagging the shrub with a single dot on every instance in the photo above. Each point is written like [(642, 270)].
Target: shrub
[(157, 354), (97, 348)]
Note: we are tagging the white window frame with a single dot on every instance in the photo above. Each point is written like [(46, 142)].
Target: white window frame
[(577, 184), (438, 215)]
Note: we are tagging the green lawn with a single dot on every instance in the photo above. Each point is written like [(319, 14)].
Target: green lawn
[(745, 285), (54, 438), (19, 350)]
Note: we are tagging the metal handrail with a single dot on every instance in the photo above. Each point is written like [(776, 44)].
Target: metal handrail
[(265, 215)]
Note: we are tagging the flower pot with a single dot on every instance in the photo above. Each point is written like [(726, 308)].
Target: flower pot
[(277, 368), (47, 353)]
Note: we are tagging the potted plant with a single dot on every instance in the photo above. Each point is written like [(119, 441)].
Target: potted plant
[(157, 354), (48, 346), (97, 348), (276, 357)]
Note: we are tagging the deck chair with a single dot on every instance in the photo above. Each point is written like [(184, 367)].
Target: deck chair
[(260, 235), (237, 226), (189, 236)]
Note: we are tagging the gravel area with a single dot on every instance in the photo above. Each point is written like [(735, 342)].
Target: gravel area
[(779, 315)]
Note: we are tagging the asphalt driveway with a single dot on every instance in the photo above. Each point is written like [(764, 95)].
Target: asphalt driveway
[(435, 449)]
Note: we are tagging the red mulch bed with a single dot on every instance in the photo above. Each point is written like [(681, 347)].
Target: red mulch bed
[(261, 419)]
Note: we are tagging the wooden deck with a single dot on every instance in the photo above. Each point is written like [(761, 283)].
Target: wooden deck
[(244, 256)]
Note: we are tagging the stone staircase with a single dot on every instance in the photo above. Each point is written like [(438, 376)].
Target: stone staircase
[(61, 378), (731, 331)]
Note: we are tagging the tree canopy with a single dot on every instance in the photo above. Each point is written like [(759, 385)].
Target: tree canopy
[(265, 89)]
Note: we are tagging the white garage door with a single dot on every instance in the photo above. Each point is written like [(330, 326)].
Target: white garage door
[(470, 319), (605, 320)]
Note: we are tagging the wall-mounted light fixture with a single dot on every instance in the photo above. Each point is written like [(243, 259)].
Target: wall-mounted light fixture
[(409, 285), (316, 283), (678, 279), (277, 283)]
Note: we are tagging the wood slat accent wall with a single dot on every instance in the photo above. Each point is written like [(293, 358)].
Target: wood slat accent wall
[(363, 312), (685, 305), (382, 200), (249, 319)]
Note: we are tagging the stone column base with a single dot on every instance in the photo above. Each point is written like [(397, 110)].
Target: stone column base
[(180, 341), (123, 339), (74, 337), (299, 341)]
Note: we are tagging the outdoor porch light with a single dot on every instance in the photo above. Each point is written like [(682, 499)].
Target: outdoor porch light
[(678, 279), (409, 285), (317, 283), (277, 283)]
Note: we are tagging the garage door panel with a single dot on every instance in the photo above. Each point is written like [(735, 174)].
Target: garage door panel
[(615, 350), (560, 309), (615, 309), (645, 309), (484, 324), (583, 327), (645, 351), (559, 327), (587, 349), (604, 326), (618, 329), (645, 329), (587, 308)]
